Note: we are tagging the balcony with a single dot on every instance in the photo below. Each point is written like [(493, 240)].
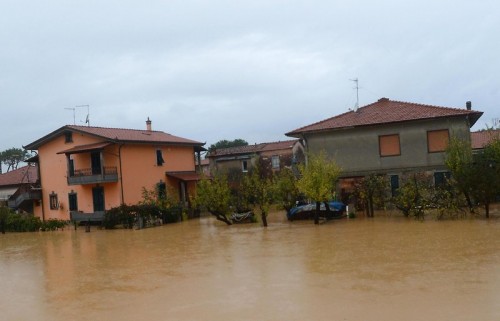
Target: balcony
[(93, 176), (23, 197)]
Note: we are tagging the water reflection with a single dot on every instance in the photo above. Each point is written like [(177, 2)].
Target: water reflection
[(382, 269)]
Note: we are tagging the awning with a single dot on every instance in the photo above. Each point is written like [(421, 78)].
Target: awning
[(185, 176), (5, 193), (85, 148)]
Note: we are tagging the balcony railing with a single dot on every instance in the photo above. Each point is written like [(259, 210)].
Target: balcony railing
[(76, 216), (28, 196), (93, 176)]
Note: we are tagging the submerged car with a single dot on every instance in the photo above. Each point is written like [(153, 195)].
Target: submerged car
[(307, 211)]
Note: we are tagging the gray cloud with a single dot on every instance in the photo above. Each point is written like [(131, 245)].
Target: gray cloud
[(210, 70)]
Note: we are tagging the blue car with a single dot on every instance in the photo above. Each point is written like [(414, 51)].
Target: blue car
[(304, 212)]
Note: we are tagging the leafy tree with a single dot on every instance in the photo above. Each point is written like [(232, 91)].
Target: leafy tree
[(371, 191), (215, 195), (287, 192), (459, 161), (414, 195), (12, 157), (227, 143), (259, 191), (161, 196), (318, 180), (486, 175)]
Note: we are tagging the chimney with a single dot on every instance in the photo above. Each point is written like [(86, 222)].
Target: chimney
[(148, 124), (468, 105)]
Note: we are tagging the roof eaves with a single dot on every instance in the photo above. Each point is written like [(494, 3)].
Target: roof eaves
[(37, 143)]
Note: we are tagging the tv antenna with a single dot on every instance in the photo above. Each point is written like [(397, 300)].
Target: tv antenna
[(87, 119), (73, 109), (357, 93)]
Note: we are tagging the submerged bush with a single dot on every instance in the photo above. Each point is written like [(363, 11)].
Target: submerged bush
[(14, 222), (128, 215)]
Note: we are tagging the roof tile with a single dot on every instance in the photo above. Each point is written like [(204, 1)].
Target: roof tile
[(482, 138), (23, 175), (386, 111)]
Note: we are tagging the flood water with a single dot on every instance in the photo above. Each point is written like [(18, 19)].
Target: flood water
[(387, 268)]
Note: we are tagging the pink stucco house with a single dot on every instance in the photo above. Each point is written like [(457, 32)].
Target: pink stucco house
[(87, 170)]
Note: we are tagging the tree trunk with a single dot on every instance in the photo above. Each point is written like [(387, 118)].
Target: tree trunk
[(263, 215), (329, 214), (469, 202), (487, 209), (222, 218), (316, 213), (370, 206)]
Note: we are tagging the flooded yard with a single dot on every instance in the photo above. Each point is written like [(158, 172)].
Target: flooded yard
[(387, 268)]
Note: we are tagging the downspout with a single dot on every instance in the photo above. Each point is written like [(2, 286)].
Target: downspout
[(41, 191), (122, 200)]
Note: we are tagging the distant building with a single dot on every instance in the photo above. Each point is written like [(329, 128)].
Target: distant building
[(87, 170), (273, 155), (20, 189), (388, 137), (480, 139)]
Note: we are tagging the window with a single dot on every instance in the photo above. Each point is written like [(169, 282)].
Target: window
[(162, 190), (244, 166), (68, 137), (73, 202), (394, 184), (275, 162), (441, 179), (437, 140), (159, 157), (54, 203), (389, 145)]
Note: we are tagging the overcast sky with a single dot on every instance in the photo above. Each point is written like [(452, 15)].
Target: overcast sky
[(212, 70)]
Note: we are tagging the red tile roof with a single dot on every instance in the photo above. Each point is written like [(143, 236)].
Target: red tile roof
[(482, 138), (23, 175), (286, 144), (250, 149), (119, 135), (386, 111)]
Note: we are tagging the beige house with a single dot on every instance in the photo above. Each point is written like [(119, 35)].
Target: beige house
[(388, 137)]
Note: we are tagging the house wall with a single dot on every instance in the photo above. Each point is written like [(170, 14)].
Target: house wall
[(356, 150), (138, 170), (234, 164), (53, 177)]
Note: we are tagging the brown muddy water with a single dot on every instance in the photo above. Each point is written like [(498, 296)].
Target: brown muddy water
[(387, 268)]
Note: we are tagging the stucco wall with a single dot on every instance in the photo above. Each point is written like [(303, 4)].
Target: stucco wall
[(356, 150), (140, 170)]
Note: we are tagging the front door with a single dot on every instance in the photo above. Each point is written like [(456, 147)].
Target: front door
[(98, 198), (95, 160)]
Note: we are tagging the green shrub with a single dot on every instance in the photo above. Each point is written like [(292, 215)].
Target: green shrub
[(128, 215), (13, 222)]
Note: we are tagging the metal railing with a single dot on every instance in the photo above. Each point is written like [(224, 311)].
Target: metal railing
[(28, 196), (93, 175)]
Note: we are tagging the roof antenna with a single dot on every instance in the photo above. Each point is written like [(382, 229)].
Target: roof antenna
[(87, 119), (357, 94), (73, 109)]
